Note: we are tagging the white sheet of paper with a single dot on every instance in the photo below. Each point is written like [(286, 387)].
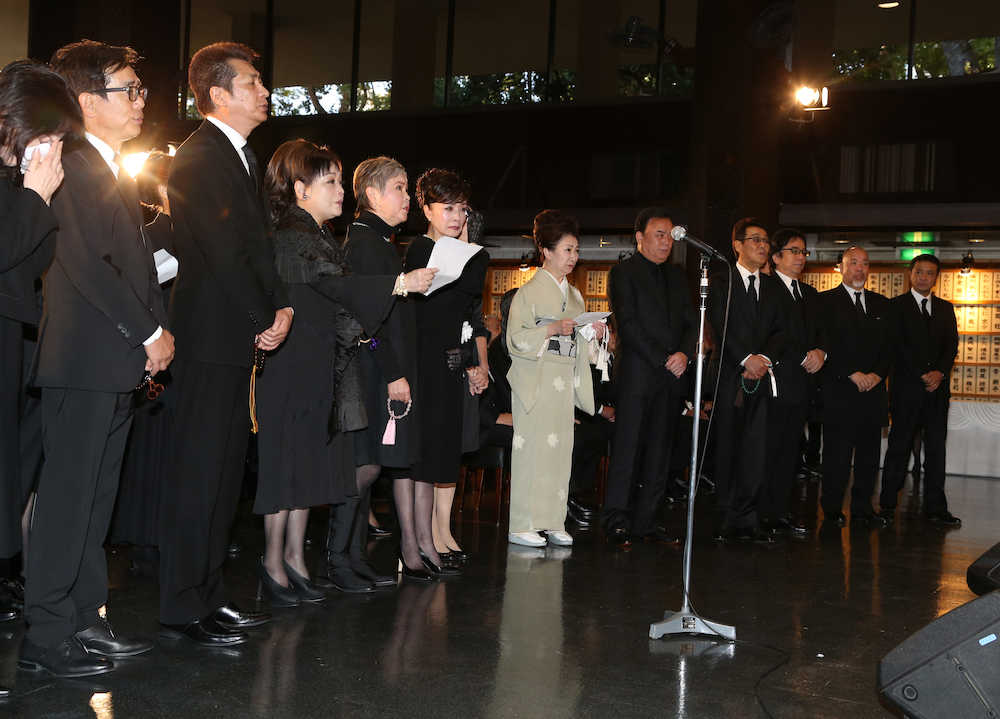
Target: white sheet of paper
[(588, 317), (166, 266), (449, 256)]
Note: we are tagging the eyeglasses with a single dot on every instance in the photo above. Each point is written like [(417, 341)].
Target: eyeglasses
[(796, 251), (757, 239), (134, 91)]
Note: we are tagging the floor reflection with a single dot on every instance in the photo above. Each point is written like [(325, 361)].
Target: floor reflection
[(531, 677), (418, 628), (275, 682)]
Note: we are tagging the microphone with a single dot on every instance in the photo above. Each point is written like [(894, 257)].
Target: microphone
[(680, 234)]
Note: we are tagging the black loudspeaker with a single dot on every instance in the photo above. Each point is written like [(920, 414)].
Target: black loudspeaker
[(983, 575), (949, 668)]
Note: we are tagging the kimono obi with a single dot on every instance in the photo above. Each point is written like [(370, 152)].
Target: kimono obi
[(560, 345)]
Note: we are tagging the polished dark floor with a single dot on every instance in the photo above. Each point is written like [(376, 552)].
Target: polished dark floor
[(557, 633)]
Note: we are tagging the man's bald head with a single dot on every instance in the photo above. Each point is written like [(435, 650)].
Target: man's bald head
[(854, 267)]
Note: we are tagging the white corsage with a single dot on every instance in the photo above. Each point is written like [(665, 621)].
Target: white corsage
[(466, 332)]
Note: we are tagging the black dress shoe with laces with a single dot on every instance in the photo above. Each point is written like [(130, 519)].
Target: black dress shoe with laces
[(232, 617), (66, 659), (619, 538), (945, 518), (581, 520), (207, 632), (101, 639), (869, 520)]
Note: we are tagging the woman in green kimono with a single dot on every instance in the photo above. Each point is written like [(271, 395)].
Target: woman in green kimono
[(549, 373)]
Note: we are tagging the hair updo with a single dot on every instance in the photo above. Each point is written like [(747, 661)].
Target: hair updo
[(550, 226), (444, 186)]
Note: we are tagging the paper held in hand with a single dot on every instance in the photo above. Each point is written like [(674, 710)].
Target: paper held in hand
[(590, 317), (449, 256)]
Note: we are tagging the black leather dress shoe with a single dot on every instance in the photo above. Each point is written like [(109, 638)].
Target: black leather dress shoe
[(619, 538), (366, 571), (4, 694), (868, 520), (232, 617), (67, 659), (945, 518), (100, 638), (378, 532), (889, 515), (234, 549), (8, 614), (206, 632), (581, 509)]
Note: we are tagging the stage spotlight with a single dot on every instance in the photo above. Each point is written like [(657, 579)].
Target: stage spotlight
[(968, 262), (887, 4), (524, 263), (813, 98), (132, 162)]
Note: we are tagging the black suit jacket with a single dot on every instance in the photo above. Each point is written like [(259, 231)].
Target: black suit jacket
[(919, 348), (227, 288), (855, 344), (102, 299), (795, 385), (27, 247), (748, 333), (651, 324)]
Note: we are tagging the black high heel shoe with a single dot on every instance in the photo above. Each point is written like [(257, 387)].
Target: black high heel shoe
[(277, 595), (438, 570), (418, 575), (304, 589)]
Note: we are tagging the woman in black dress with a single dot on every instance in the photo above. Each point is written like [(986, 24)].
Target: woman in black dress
[(446, 320), (35, 107), (308, 394), (389, 364)]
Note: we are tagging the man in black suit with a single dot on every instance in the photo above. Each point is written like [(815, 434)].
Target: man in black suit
[(795, 372), (926, 342), (657, 334), (754, 339), (227, 303), (856, 333), (102, 326)]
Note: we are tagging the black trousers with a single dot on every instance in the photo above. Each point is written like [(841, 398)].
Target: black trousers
[(649, 419), (10, 424), (590, 443), (84, 436), (199, 504), (911, 411), (785, 422), (740, 447), (841, 438)]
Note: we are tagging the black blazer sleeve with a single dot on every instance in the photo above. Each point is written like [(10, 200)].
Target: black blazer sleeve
[(27, 221), (94, 271), (365, 260)]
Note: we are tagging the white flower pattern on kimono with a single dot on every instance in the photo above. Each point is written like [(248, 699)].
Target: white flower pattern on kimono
[(518, 441), (553, 440), (559, 384), (576, 380), (562, 495)]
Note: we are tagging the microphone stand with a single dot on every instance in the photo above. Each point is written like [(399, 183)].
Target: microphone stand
[(686, 621)]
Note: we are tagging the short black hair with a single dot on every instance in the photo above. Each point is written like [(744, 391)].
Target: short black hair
[(444, 186), (34, 101), (652, 213), (926, 258), (86, 65), (210, 68), (783, 236), (740, 228)]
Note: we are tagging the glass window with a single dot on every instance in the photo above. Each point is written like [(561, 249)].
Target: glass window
[(375, 58), (638, 36), (312, 57)]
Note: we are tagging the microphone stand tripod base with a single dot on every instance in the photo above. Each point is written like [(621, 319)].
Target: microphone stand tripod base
[(687, 622)]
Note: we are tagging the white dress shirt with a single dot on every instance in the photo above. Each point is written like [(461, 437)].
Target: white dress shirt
[(108, 155), (239, 142), (920, 298), (746, 275)]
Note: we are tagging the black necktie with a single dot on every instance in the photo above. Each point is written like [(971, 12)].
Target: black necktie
[(795, 291), (857, 303), (924, 311), (251, 164), (752, 293)]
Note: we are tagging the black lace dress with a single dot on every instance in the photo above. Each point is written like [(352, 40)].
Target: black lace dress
[(309, 392)]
